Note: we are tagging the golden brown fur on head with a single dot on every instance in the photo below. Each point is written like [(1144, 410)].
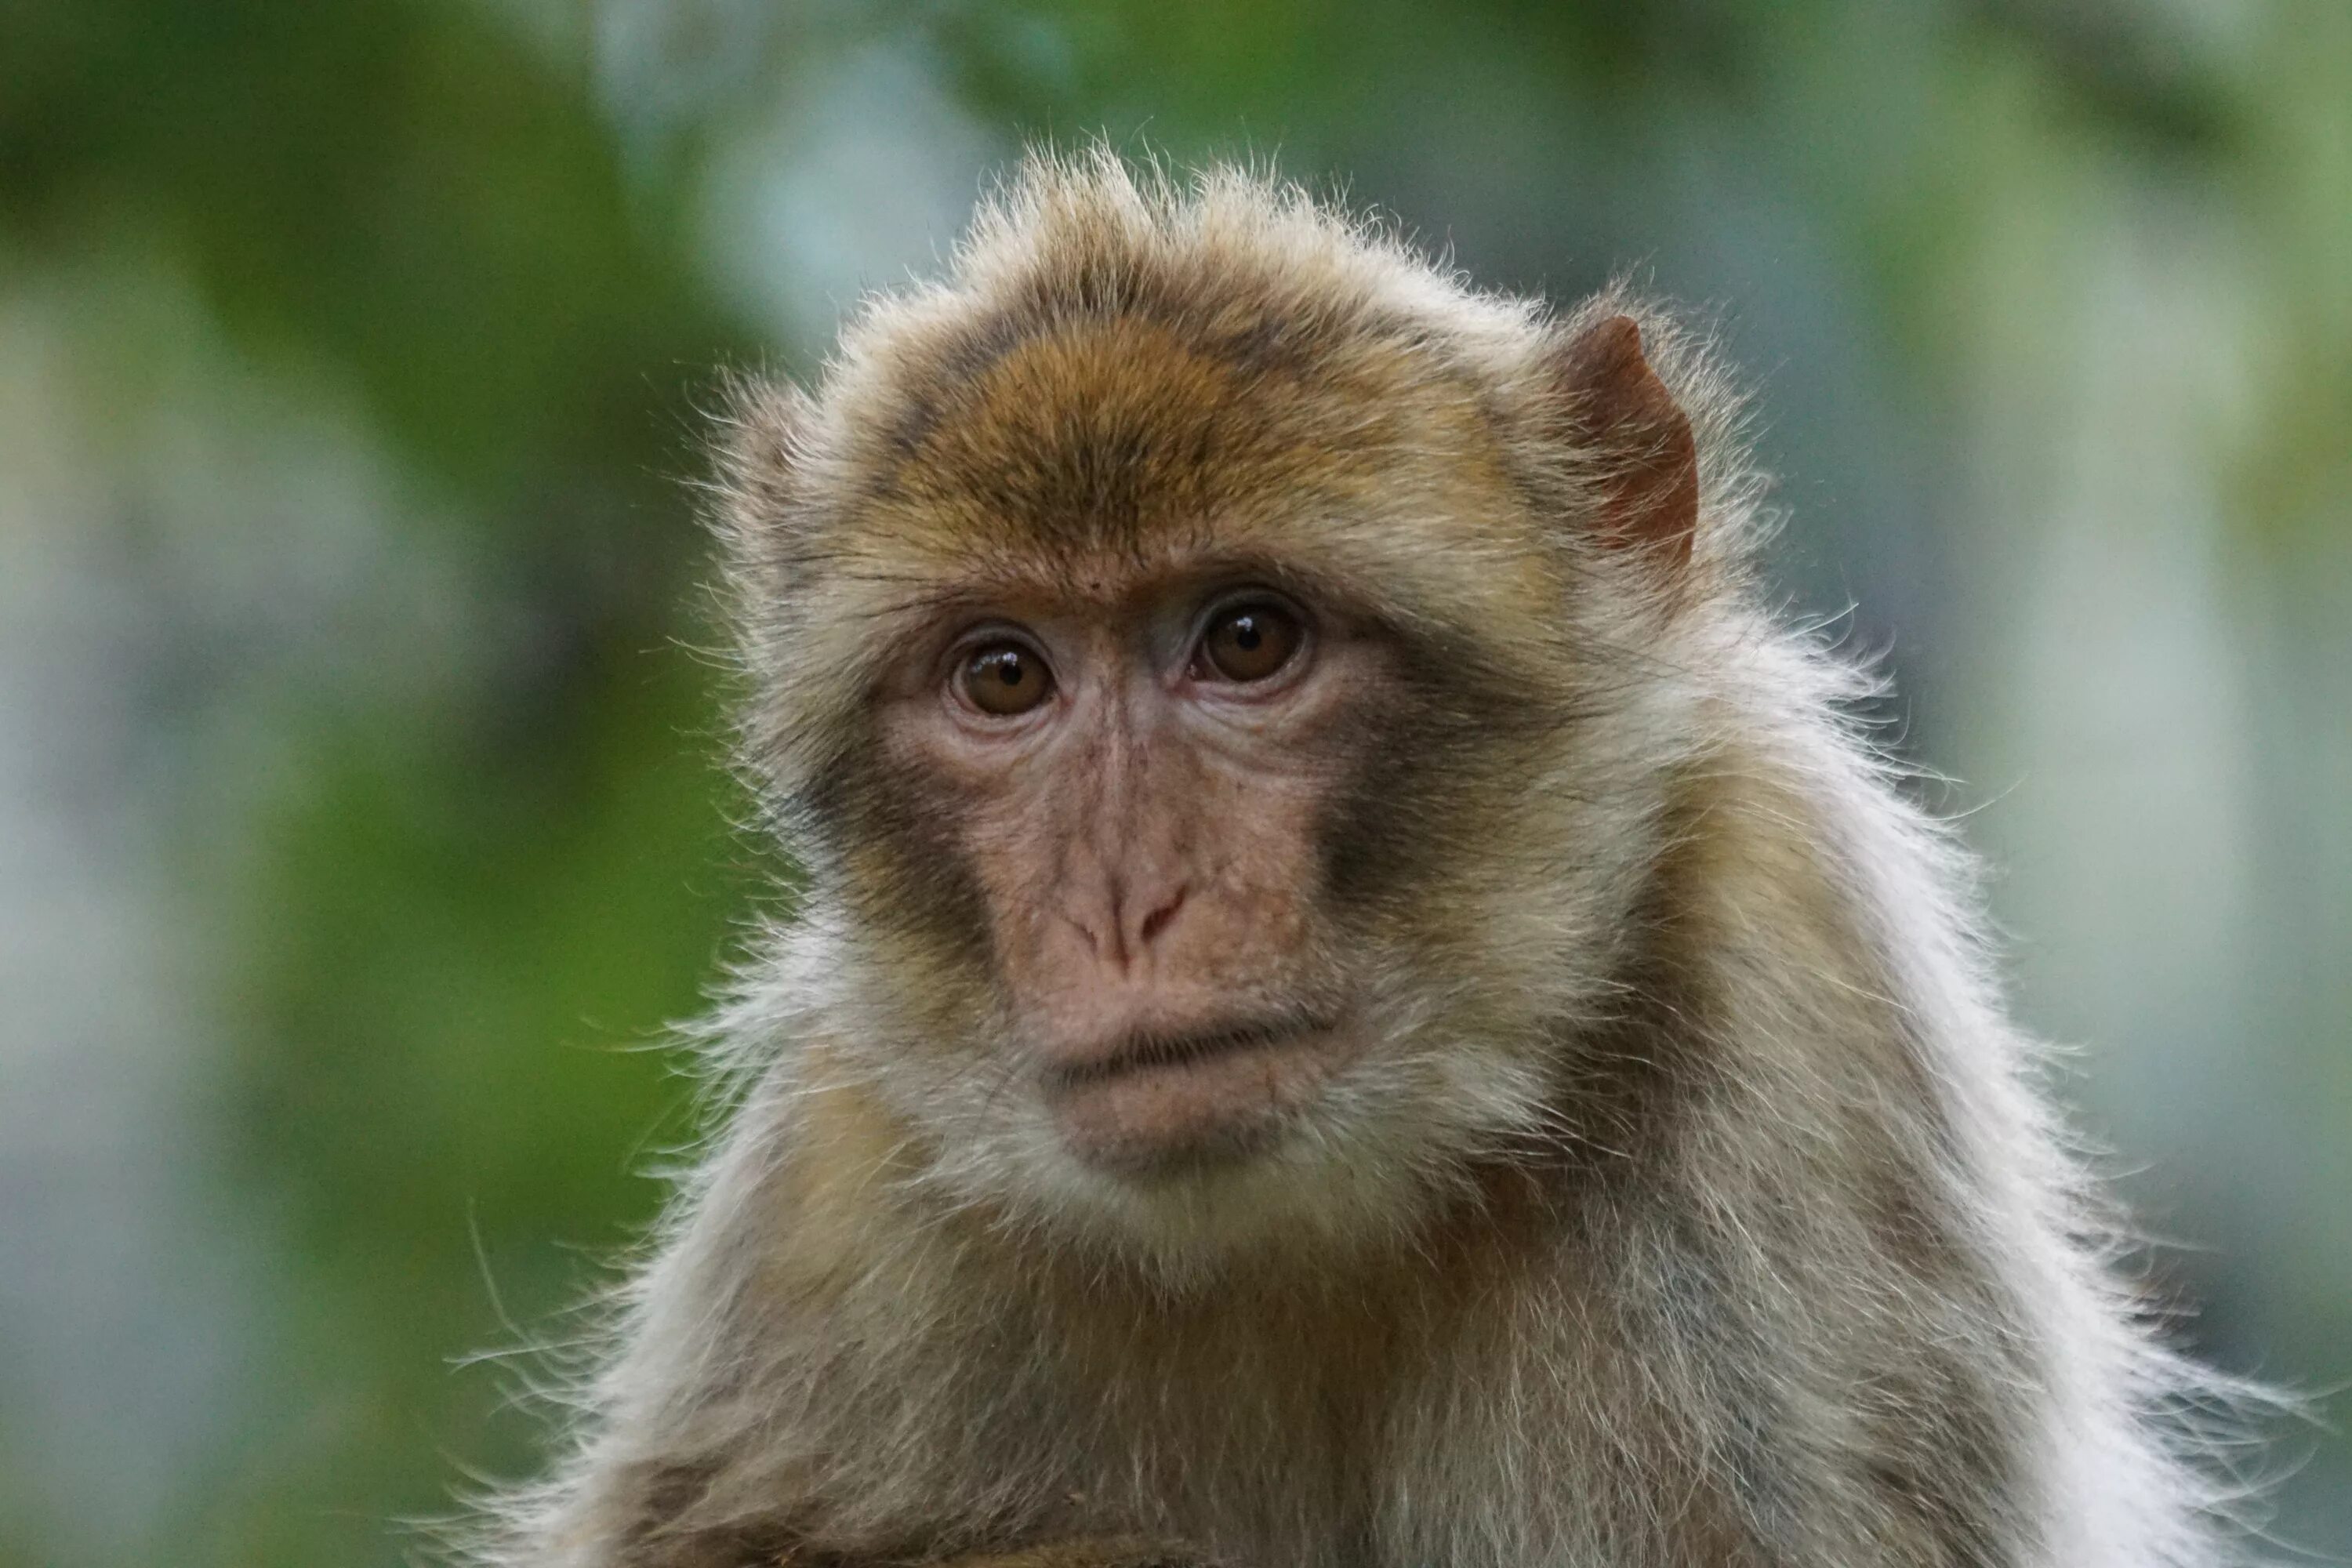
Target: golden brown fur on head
[(1498, 1077), (1116, 364)]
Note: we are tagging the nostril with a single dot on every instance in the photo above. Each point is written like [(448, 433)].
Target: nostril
[(1157, 920)]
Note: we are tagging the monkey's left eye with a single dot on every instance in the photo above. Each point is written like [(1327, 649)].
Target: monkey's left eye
[(1248, 642), (1005, 679)]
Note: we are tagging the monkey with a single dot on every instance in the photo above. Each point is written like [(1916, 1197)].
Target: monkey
[(1358, 996)]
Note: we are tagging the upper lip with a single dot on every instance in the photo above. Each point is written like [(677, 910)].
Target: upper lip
[(1144, 1048)]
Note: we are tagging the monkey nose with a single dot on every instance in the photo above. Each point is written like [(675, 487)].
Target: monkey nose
[(1158, 918), (1122, 927)]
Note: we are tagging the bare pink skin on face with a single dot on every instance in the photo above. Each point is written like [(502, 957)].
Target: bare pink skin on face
[(1144, 837)]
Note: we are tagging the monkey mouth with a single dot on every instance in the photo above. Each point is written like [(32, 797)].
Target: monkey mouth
[(1146, 1050), (1160, 1099)]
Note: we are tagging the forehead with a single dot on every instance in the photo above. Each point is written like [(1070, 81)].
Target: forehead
[(1040, 453)]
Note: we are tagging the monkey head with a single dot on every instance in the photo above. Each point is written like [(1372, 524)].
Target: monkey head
[(1214, 679)]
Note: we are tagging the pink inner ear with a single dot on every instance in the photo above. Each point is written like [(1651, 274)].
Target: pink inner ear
[(1647, 456)]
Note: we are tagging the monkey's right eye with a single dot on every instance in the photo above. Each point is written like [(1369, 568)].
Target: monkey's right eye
[(1005, 679)]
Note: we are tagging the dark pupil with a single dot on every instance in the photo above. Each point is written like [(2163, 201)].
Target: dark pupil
[(1246, 637), (1008, 669)]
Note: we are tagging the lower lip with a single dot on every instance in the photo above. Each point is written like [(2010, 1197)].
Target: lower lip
[(1225, 1105)]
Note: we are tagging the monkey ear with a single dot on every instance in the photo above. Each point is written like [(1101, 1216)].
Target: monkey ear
[(757, 448), (760, 423), (1641, 444)]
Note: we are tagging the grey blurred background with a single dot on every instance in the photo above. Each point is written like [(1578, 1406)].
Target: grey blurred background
[(361, 823)]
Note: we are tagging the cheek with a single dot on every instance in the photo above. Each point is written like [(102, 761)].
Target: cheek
[(1252, 836), (977, 829), (1435, 774), (899, 832)]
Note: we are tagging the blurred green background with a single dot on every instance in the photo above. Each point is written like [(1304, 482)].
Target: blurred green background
[(361, 819)]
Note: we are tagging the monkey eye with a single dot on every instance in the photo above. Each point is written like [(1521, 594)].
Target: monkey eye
[(1248, 642), (1005, 679)]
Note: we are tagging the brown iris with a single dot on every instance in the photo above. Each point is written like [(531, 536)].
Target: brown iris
[(1250, 642), (1005, 679)]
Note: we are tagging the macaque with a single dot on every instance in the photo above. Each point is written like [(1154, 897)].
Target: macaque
[(1357, 1002)]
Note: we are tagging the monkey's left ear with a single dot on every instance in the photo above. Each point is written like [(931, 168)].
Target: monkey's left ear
[(1641, 444)]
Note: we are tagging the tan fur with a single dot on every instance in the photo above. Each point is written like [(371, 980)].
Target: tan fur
[(1694, 1206)]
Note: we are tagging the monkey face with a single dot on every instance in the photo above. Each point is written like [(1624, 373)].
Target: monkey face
[(1218, 766), (1199, 944), (1141, 784)]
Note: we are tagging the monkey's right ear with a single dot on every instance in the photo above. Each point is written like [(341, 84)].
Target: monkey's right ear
[(762, 431), (1638, 439)]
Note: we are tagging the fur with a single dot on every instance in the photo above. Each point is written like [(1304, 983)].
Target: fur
[(1699, 1204)]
